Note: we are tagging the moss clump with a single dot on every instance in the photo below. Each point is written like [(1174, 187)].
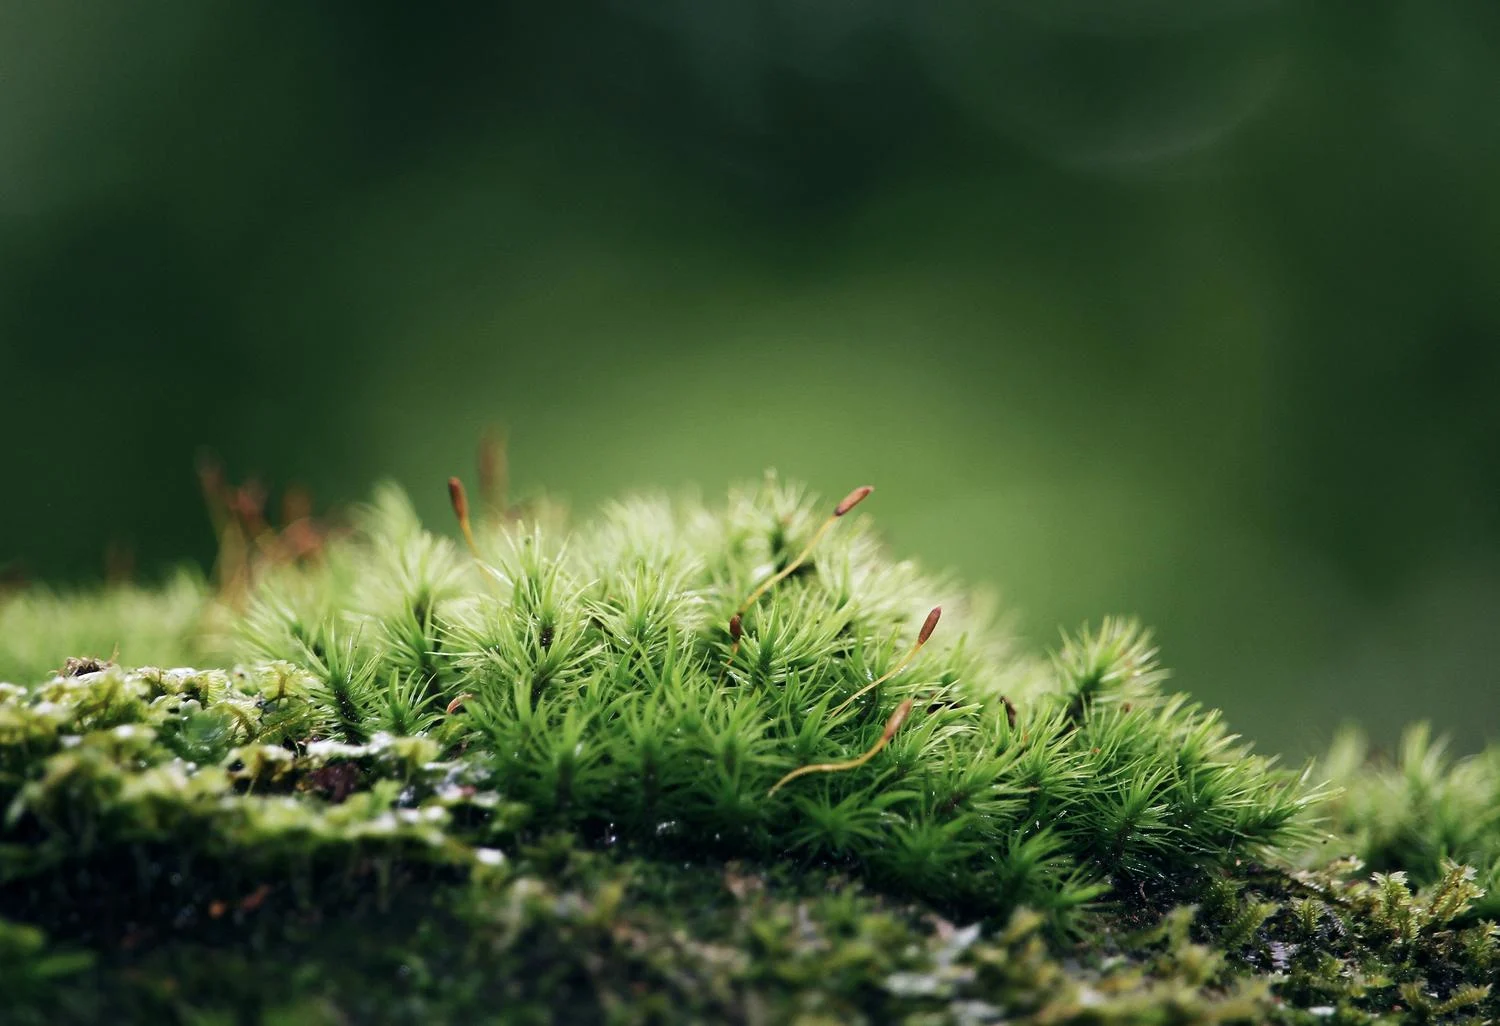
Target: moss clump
[(1420, 810), (163, 626), (399, 726)]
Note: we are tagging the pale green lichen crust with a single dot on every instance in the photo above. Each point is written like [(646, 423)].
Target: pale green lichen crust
[(537, 785)]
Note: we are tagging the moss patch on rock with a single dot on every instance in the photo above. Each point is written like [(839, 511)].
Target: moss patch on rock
[(539, 782)]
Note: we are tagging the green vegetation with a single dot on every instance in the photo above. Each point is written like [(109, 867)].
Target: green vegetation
[(1423, 809), (556, 779)]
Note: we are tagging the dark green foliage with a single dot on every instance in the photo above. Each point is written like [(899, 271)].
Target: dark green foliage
[(562, 935), (1364, 948)]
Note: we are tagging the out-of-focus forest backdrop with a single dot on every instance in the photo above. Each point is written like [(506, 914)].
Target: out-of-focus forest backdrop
[(1181, 308)]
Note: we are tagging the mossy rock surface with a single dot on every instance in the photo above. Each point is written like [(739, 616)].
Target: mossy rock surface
[(558, 780)]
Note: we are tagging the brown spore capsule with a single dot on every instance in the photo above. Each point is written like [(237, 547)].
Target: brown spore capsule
[(853, 499), (458, 498), (929, 625)]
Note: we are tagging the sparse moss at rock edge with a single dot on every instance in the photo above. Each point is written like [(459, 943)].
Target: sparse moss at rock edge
[(409, 726)]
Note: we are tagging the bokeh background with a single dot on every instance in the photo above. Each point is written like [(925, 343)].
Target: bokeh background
[(1181, 308)]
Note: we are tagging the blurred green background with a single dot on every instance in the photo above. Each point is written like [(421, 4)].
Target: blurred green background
[(1181, 308)]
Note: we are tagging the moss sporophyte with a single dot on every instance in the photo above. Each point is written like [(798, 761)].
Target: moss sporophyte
[(680, 763)]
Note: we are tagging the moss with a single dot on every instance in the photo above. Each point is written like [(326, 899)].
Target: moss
[(554, 781), (1420, 809), (167, 625), (559, 933)]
